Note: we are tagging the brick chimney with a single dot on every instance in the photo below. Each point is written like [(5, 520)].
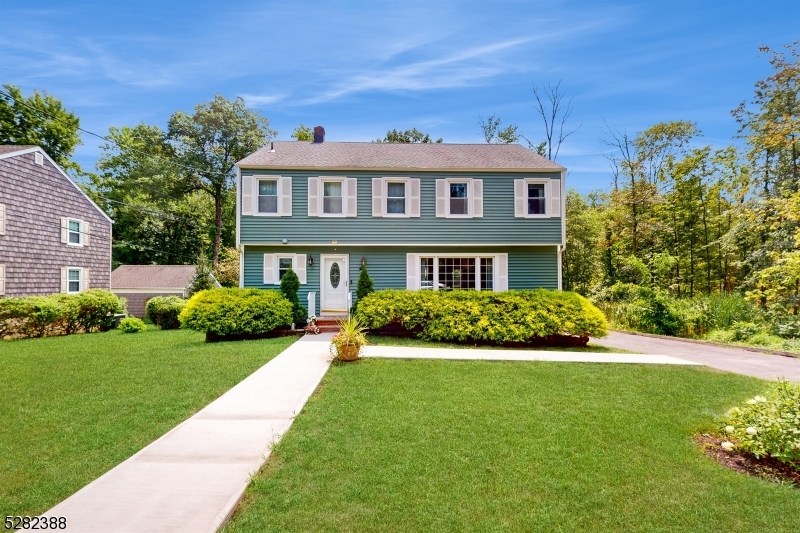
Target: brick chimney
[(319, 134)]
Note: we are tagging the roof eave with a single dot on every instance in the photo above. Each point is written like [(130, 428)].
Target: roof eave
[(243, 166)]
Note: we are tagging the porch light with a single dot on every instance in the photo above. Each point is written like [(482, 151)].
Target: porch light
[(363, 262), (310, 260)]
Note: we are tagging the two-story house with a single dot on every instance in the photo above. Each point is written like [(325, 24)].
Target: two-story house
[(419, 216), (53, 238)]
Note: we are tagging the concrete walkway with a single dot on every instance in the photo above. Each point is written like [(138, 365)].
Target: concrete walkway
[(402, 352), (192, 478), (740, 361)]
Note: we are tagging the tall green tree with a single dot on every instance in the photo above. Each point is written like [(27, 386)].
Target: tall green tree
[(39, 119), (581, 258), (208, 143), (494, 135), (409, 136), (303, 133)]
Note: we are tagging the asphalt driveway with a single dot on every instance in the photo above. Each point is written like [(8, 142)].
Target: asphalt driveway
[(738, 360)]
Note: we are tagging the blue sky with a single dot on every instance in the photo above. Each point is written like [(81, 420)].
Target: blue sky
[(361, 68)]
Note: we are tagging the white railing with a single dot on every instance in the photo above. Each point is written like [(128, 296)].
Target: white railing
[(312, 304), (349, 303)]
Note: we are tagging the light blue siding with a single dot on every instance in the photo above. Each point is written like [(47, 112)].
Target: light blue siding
[(498, 224)]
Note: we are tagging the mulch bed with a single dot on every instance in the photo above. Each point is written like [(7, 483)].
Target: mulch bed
[(746, 463)]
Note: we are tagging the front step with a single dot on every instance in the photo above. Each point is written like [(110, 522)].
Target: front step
[(329, 323)]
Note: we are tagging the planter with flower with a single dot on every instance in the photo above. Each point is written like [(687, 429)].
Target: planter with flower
[(346, 345), (311, 326)]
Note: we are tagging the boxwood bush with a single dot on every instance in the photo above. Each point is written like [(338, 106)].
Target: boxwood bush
[(164, 311), (526, 317), (236, 313), (59, 314), (769, 425), (132, 325)]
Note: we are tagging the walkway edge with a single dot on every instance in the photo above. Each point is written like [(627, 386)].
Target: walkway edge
[(709, 343)]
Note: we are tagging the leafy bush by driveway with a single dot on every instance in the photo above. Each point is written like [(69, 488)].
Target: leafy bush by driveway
[(164, 311), (531, 316)]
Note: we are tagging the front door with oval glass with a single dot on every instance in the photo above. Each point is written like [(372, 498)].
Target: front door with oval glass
[(334, 283)]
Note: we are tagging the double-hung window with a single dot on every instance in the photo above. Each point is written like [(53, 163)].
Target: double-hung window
[(284, 264), (536, 199), (268, 196), (459, 198), (73, 280), (396, 198), (332, 197), (74, 232)]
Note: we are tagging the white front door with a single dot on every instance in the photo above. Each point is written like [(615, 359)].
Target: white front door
[(334, 283)]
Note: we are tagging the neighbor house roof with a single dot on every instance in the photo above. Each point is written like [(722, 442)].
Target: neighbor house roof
[(152, 276), (388, 156), (8, 148)]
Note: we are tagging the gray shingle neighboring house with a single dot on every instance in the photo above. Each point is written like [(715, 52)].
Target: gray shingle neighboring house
[(420, 216), (139, 283), (53, 237)]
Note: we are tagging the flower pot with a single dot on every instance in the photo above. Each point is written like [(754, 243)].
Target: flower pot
[(348, 352)]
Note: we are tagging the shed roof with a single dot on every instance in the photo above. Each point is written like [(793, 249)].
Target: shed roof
[(152, 276), (413, 156)]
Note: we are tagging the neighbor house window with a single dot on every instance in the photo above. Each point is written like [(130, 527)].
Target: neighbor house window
[(536, 199), (74, 232), (267, 196), (332, 197), (396, 198), (457, 273), (74, 280), (459, 199)]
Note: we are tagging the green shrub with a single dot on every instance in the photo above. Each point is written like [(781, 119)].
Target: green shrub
[(724, 309), (290, 285), (787, 327), (470, 316), (769, 425), (95, 309), (132, 325), (724, 336), (744, 330), (30, 316), (364, 287), (164, 311), (236, 312)]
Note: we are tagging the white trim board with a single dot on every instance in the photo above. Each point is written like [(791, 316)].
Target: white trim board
[(410, 244)]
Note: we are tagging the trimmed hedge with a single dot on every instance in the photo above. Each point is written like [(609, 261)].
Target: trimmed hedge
[(59, 314), (132, 325), (236, 313), (165, 311), (526, 317)]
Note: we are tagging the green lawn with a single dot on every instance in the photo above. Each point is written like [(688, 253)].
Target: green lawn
[(383, 340), (73, 407), (431, 445)]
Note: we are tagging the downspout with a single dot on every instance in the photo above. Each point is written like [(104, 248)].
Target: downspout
[(238, 226)]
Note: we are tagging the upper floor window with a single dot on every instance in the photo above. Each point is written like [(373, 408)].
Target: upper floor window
[(267, 196), (459, 198), (396, 198), (74, 232), (536, 199), (332, 197)]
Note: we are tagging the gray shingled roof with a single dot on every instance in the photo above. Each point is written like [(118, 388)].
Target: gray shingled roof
[(152, 276), (6, 148), (428, 156)]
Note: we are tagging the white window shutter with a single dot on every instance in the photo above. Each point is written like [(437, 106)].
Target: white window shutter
[(414, 198), (86, 232), (412, 270), (477, 198), (2, 219), (85, 286), (64, 230), (501, 283), (519, 198), (248, 200), (269, 269), (377, 197), (285, 197), (352, 196), (2, 280), (313, 197), (441, 198), (63, 280), (300, 267), (555, 198)]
